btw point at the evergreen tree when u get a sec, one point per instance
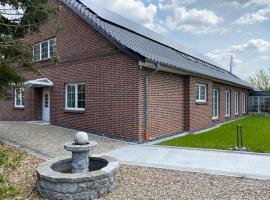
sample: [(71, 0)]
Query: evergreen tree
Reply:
[(17, 19)]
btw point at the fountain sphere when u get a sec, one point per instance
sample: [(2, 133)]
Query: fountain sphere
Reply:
[(81, 138)]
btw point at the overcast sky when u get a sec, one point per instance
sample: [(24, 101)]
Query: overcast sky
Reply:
[(216, 28)]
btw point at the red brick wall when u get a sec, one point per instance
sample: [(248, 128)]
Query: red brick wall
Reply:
[(111, 81), (8, 112), (200, 115), (166, 104), (222, 89), (114, 88)]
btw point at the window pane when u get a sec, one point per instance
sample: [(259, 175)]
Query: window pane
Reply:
[(71, 96), (215, 105), (22, 100), (36, 52), (19, 97), (18, 100), (236, 103), (44, 50), (46, 101), (52, 47), (198, 92), (81, 96), (202, 92)]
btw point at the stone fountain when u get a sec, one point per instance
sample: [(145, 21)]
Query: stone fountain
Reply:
[(79, 177)]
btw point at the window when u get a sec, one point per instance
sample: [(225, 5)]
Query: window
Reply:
[(19, 98), (244, 103), (236, 103), (46, 101), (200, 93), (75, 97), (44, 50), (228, 103), (215, 104)]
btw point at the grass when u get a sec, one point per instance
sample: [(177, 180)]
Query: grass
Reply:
[(256, 136)]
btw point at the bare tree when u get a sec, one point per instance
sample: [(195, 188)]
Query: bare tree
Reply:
[(261, 80)]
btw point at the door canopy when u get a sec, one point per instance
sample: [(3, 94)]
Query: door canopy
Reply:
[(43, 82)]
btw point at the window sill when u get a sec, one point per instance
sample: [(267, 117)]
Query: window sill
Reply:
[(227, 116), (74, 111), (201, 102), (43, 61), (18, 108), (215, 118)]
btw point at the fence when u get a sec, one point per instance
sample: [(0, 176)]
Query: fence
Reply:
[(259, 104)]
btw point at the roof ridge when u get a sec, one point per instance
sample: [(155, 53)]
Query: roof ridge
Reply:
[(131, 42), (169, 43)]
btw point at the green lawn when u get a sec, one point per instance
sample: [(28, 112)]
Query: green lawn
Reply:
[(256, 136)]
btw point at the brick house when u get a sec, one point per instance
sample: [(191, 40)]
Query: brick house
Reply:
[(119, 79)]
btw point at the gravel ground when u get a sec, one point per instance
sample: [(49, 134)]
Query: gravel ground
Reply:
[(139, 183), (149, 183), (24, 174)]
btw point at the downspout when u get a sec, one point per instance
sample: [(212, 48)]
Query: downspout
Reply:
[(146, 83)]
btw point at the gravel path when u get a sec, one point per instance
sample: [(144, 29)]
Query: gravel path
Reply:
[(141, 183)]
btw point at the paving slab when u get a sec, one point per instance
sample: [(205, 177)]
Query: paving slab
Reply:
[(49, 139), (206, 161)]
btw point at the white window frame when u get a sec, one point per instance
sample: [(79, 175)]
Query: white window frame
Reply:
[(218, 104), (236, 103), (40, 49), (76, 97), (21, 97), (227, 103), (201, 100), (244, 103)]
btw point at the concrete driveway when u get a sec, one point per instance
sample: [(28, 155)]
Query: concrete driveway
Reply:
[(47, 139), (227, 163)]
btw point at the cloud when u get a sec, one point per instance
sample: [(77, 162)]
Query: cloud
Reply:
[(253, 44), (173, 25), (223, 55), (136, 10), (256, 3), (265, 57), (259, 16), (229, 3), (245, 3), (195, 21), (171, 4), (196, 16)]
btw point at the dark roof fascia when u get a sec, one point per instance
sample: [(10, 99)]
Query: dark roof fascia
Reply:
[(172, 69), (260, 94), (121, 47)]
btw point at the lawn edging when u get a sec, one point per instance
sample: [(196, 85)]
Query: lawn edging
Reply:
[(214, 150), (156, 142)]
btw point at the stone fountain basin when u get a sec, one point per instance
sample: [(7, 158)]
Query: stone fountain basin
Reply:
[(55, 182)]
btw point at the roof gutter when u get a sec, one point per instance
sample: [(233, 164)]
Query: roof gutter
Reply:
[(169, 69)]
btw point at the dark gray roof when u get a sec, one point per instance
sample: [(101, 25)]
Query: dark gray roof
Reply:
[(260, 94), (145, 44)]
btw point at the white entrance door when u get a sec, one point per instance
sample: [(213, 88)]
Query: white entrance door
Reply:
[(46, 105)]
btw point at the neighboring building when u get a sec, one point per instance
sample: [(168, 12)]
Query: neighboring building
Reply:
[(259, 102), (119, 79)]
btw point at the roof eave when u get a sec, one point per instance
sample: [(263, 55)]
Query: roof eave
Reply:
[(170, 69)]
